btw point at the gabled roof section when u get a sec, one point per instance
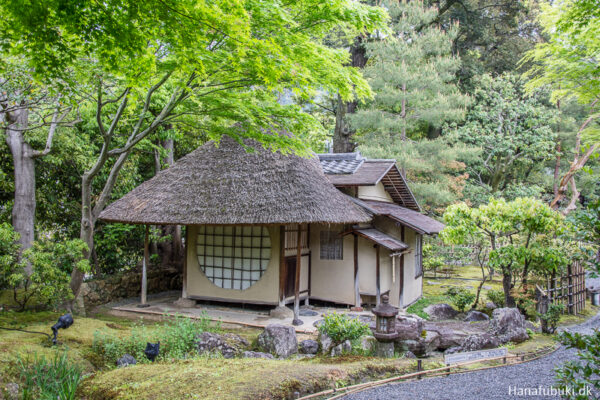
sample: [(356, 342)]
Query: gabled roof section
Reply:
[(341, 163), (380, 238), (370, 173), (413, 219)]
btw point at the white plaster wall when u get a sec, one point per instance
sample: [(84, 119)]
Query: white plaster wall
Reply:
[(413, 287), (266, 290), (332, 280), (376, 192)]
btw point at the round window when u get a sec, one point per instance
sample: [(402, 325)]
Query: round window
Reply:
[(233, 257)]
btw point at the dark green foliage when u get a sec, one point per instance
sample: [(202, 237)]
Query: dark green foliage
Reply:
[(581, 373), (496, 297), (460, 297), (177, 340), (552, 316), (340, 327), (52, 379)]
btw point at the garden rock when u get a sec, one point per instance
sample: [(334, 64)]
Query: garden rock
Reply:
[(257, 354), (453, 333), (126, 360), (309, 346), (281, 312), (490, 305), (340, 349), (368, 343), (474, 316), (508, 324), (325, 342), (318, 323), (305, 312), (478, 342), (279, 340), (208, 341), (439, 312), (423, 346), (532, 326), (409, 354), (409, 327), (185, 303)]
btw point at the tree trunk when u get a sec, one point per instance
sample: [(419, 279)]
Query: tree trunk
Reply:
[(509, 300), (86, 232), (23, 212), (343, 134)]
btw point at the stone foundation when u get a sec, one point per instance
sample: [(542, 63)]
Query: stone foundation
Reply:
[(127, 285)]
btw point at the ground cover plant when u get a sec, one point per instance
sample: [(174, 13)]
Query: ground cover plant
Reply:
[(340, 327), (49, 379)]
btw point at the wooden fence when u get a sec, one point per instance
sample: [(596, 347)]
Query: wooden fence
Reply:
[(568, 289)]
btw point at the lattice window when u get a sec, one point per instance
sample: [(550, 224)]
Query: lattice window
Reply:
[(419, 256), (233, 257), (291, 237), (332, 246)]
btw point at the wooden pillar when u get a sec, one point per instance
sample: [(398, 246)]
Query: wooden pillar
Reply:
[(356, 274), (297, 320), (145, 263), (282, 272), (185, 260), (401, 272), (378, 275)]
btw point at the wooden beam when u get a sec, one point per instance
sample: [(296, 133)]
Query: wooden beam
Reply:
[(145, 263), (297, 320), (185, 261), (282, 272), (378, 275), (401, 273), (356, 275)]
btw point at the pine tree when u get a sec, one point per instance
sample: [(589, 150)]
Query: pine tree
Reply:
[(412, 71)]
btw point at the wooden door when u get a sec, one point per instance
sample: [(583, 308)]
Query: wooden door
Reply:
[(290, 276)]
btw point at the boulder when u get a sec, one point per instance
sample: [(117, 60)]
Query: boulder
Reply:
[(126, 360), (325, 342), (439, 312), (257, 354), (279, 340), (474, 316), (409, 327), (368, 343), (490, 305), (423, 346), (281, 312), (340, 349), (478, 342), (508, 324), (409, 354), (213, 342), (453, 333), (309, 346)]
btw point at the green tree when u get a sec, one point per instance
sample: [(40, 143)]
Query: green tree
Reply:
[(412, 72), (580, 375), (522, 236), (567, 62), (513, 130)]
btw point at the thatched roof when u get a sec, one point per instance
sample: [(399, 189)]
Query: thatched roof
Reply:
[(227, 185)]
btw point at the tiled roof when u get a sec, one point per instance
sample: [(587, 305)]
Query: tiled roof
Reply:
[(340, 163)]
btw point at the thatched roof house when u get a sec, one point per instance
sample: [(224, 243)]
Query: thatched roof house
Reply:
[(226, 185), (268, 228)]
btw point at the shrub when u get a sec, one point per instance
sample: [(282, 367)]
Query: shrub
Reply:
[(582, 373), (340, 327), (51, 265), (496, 297), (177, 340), (551, 317), (460, 297), (49, 379)]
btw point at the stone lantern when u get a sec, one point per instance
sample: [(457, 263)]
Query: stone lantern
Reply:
[(385, 327)]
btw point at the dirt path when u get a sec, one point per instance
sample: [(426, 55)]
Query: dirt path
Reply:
[(495, 383)]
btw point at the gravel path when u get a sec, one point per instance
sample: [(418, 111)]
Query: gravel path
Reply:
[(483, 385)]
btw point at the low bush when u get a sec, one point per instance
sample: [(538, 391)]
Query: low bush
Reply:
[(460, 297), (581, 374), (551, 317), (340, 327), (52, 379), (496, 297), (177, 340)]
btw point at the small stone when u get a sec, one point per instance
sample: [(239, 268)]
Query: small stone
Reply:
[(257, 354), (474, 316), (126, 360), (486, 287), (281, 312), (279, 340), (409, 354), (325, 342), (318, 323), (347, 347), (185, 303), (309, 346), (490, 305)]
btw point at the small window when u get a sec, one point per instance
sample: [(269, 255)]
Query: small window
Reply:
[(291, 237), (419, 256), (332, 246)]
